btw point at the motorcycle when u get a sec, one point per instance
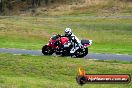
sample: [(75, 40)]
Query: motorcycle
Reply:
[(60, 45)]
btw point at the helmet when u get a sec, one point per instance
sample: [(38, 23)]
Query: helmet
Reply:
[(68, 31)]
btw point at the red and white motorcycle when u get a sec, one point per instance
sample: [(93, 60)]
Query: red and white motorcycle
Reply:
[(60, 45)]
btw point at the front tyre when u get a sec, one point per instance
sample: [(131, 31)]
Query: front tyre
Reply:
[(47, 50), (81, 52)]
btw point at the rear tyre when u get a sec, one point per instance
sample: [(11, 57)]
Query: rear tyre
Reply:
[(46, 50), (81, 52)]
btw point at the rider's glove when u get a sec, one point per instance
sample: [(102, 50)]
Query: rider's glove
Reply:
[(59, 35)]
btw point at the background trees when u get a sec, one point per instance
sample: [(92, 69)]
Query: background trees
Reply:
[(7, 6)]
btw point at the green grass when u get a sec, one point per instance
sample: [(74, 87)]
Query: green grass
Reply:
[(25, 71), (109, 35)]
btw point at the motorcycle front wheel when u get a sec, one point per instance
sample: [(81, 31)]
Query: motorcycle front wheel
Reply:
[(47, 50)]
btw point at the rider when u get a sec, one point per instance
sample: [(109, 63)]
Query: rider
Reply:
[(72, 38)]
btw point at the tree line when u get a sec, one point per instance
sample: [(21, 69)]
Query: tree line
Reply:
[(9, 4)]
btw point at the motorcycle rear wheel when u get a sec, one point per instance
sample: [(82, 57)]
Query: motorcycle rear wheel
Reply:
[(81, 52)]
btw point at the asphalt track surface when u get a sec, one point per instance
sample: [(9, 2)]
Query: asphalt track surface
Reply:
[(89, 56)]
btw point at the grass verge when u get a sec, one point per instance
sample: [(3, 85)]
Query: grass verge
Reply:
[(25, 71)]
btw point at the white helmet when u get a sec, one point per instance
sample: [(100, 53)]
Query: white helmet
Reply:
[(68, 31)]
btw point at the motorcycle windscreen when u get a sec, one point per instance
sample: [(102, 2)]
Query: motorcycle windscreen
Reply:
[(55, 37)]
